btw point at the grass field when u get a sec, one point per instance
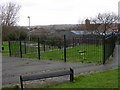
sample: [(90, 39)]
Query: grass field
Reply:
[(5, 52), (93, 54), (104, 79), (10, 88), (28, 47)]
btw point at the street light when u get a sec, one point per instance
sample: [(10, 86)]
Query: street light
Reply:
[(29, 25), (29, 22)]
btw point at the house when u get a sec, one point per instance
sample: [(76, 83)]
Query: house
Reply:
[(61, 33), (38, 31), (90, 26)]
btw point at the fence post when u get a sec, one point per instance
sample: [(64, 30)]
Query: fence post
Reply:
[(20, 49), (64, 48), (112, 44), (104, 49), (9, 48), (79, 40), (38, 49), (71, 75), (73, 41), (44, 45), (21, 82), (25, 46)]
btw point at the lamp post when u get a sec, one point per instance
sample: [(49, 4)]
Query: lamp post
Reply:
[(29, 25), (119, 16)]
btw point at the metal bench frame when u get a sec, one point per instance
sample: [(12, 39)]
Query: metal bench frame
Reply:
[(47, 75)]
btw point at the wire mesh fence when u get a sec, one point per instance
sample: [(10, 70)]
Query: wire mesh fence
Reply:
[(14, 48), (79, 48), (108, 46), (52, 49), (85, 48)]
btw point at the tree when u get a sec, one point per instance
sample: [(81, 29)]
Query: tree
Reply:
[(9, 13), (17, 33), (105, 21), (9, 17)]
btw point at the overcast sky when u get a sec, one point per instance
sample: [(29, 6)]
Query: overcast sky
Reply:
[(46, 12)]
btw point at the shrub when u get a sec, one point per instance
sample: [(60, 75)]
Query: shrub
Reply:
[(14, 33)]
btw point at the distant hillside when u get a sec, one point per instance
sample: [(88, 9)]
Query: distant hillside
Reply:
[(56, 26)]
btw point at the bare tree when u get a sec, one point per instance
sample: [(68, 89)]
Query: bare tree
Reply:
[(9, 13), (105, 21)]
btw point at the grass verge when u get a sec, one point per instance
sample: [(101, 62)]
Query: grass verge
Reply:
[(105, 79), (10, 88)]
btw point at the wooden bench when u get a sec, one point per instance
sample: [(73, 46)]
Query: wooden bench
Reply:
[(46, 75)]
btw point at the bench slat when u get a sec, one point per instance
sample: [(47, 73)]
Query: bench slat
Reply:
[(45, 75)]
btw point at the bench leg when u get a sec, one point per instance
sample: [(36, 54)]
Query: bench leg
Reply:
[(71, 75), (21, 83)]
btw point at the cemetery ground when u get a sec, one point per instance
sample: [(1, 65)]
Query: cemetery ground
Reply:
[(14, 67)]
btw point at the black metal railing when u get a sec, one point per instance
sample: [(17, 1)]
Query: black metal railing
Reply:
[(108, 46), (79, 48)]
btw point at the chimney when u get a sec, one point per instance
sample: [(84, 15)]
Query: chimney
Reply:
[(87, 22)]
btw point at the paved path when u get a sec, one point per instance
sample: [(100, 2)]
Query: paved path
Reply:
[(13, 67)]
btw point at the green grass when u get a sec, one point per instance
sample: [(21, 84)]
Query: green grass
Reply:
[(93, 54), (105, 79), (10, 88), (15, 47), (5, 52)]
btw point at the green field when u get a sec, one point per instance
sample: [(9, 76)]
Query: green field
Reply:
[(5, 52), (15, 48), (10, 88), (93, 54), (105, 79)]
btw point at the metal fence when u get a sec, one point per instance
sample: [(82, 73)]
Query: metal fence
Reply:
[(85, 48), (108, 46), (79, 48)]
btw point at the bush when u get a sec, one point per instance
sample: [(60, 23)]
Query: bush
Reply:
[(55, 41), (48, 40), (17, 35), (14, 33)]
